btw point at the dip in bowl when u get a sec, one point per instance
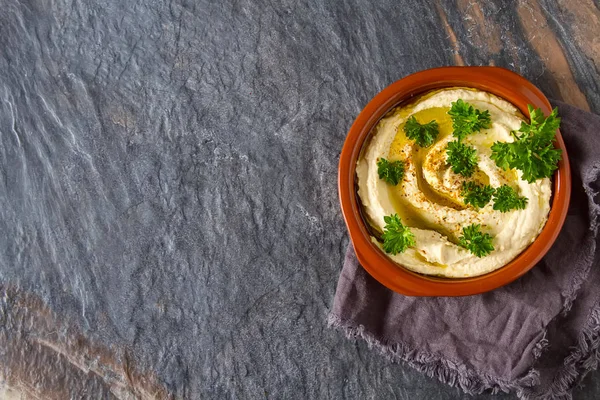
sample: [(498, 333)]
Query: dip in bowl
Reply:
[(435, 203)]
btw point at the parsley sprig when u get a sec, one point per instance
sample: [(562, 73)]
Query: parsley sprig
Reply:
[(396, 237), (466, 119), (462, 158), (390, 171), (506, 199), (475, 241), (532, 152), (423, 134), (477, 195)]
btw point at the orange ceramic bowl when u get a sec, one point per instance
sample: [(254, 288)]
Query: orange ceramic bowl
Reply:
[(501, 82)]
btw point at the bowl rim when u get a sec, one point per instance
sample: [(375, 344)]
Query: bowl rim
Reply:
[(499, 81)]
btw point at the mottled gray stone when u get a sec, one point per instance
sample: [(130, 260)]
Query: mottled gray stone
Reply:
[(168, 180)]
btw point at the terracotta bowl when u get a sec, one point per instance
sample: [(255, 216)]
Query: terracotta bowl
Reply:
[(501, 82)]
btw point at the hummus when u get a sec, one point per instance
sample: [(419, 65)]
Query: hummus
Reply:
[(428, 198)]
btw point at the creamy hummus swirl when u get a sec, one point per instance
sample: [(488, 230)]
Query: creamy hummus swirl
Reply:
[(428, 198)]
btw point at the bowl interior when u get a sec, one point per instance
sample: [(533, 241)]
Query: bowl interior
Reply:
[(501, 82)]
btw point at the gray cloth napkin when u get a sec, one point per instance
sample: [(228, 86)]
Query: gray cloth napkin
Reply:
[(537, 336)]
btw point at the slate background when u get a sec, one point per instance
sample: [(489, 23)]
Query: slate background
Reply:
[(169, 222)]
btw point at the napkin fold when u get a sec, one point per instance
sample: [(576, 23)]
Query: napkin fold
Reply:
[(537, 336)]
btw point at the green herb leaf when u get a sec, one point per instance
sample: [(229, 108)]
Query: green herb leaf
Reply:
[(423, 134), (462, 158), (506, 199), (475, 241), (532, 152), (477, 195), (391, 172), (396, 237), (466, 119), (503, 154)]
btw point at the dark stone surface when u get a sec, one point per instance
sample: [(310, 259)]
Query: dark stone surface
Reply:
[(168, 177)]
